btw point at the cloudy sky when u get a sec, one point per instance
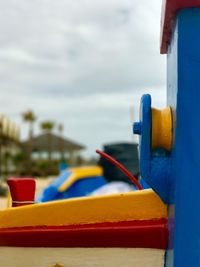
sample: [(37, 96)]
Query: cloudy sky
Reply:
[(84, 63)]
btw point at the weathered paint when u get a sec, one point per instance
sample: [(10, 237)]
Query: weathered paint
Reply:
[(138, 234), (169, 12), (138, 205)]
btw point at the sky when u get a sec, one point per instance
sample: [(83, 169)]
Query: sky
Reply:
[(83, 63)]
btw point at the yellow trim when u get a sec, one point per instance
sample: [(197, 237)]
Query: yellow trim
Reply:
[(138, 205), (9, 200), (162, 128), (80, 173)]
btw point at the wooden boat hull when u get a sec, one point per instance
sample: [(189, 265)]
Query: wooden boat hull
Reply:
[(132, 234), (118, 230), (79, 257)]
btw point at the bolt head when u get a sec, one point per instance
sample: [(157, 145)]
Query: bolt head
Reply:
[(137, 127)]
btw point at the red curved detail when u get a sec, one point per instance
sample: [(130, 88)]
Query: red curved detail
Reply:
[(169, 11), (135, 234), (121, 167)]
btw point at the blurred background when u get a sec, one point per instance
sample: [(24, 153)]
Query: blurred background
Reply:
[(71, 77)]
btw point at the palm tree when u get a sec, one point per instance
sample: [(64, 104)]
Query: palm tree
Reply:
[(18, 160), (29, 117), (47, 127), (6, 158)]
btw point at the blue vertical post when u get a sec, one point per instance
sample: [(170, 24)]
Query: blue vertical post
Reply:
[(183, 95)]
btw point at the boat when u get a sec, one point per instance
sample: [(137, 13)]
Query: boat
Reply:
[(73, 182), (147, 227), (95, 180), (127, 229)]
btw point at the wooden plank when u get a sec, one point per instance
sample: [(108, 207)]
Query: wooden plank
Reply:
[(138, 205), (96, 257), (139, 234), (169, 11)]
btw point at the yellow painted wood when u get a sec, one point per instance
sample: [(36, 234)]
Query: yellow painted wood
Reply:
[(9, 200), (81, 257), (162, 128), (138, 205), (80, 173)]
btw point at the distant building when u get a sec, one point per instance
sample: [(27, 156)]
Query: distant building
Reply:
[(9, 143), (53, 147)]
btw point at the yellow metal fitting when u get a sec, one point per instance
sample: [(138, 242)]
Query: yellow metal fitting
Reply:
[(161, 128)]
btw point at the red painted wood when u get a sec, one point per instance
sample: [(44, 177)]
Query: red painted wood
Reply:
[(169, 11), (22, 190), (135, 234)]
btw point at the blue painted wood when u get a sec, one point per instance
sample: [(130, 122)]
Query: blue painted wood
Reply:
[(155, 166), (145, 135), (184, 96), (172, 80)]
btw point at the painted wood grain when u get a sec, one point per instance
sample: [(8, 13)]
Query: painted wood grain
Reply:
[(138, 205), (96, 257)]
